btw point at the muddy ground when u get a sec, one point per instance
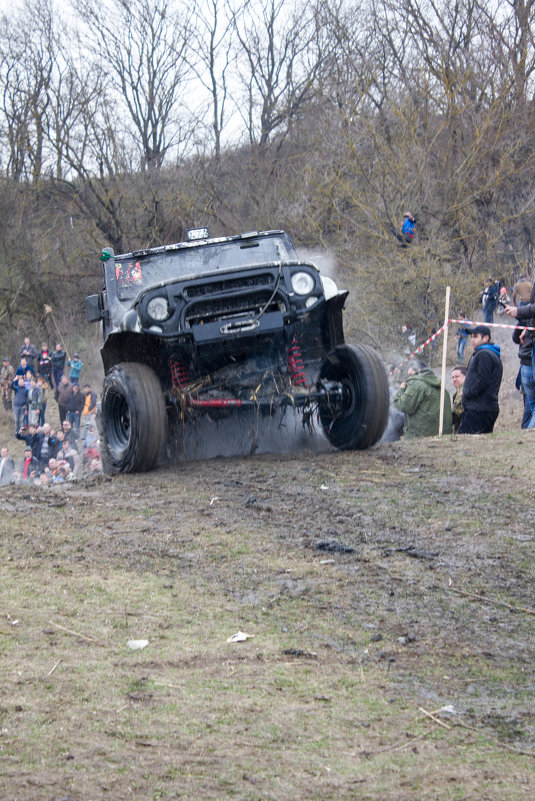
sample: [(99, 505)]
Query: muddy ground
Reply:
[(389, 598)]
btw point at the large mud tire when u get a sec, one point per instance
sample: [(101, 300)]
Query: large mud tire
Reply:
[(133, 419), (364, 416)]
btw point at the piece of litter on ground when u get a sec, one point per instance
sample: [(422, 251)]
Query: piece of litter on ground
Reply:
[(214, 500), (328, 562), (324, 487), (137, 645), (240, 636)]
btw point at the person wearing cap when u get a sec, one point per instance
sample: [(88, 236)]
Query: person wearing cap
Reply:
[(75, 365), (28, 468), (481, 384), (7, 374)]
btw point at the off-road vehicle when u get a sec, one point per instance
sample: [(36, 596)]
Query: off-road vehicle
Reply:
[(231, 323)]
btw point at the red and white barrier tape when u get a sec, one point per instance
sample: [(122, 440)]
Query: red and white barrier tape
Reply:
[(420, 348), (492, 325)]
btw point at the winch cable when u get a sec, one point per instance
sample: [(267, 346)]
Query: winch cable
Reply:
[(266, 305)]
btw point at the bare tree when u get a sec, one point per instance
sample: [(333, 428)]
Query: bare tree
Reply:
[(212, 38), (144, 42), (28, 63), (278, 61)]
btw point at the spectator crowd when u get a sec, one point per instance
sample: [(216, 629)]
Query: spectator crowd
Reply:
[(51, 455), (475, 407)]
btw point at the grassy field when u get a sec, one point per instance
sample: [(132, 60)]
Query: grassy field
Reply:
[(389, 599)]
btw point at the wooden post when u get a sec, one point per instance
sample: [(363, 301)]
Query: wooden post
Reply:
[(443, 373)]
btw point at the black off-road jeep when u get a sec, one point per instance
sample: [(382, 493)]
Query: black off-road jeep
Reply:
[(233, 323)]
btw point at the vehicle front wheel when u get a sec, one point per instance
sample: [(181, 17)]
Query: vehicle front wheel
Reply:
[(358, 421), (132, 419)]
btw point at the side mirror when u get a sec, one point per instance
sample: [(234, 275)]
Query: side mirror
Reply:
[(93, 309)]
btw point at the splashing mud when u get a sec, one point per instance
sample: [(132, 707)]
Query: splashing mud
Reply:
[(245, 433)]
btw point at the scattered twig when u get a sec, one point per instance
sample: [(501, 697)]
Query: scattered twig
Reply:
[(432, 716), (397, 746), (53, 669), (492, 601), (76, 633)]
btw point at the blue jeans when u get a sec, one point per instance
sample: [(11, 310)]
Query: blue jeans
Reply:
[(461, 345), (74, 420), (528, 382), (488, 314), (20, 417)]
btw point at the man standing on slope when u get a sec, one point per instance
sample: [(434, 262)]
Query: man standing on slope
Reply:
[(482, 384)]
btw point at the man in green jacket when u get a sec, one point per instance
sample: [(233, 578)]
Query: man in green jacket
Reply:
[(419, 399)]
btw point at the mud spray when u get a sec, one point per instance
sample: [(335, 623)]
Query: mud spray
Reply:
[(245, 433)]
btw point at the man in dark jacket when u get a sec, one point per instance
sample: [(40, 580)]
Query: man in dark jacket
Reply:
[(28, 352), (30, 436), (482, 384), (63, 393), (489, 299), (74, 405), (57, 358)]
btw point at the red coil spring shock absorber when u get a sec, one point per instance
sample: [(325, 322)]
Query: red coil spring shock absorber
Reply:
[(296, 366), (179, 374)]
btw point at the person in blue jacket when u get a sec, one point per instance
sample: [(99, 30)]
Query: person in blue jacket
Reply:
[(75, 365), (407, 230)]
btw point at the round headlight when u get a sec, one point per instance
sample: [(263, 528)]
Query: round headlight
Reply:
[(158, 308), (302, 283)]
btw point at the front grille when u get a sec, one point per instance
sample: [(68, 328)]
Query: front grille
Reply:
[(232, 306), (228, 285)]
